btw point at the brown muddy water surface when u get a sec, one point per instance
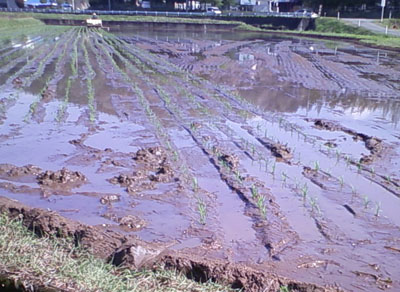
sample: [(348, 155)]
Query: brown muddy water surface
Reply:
[(281, 154)]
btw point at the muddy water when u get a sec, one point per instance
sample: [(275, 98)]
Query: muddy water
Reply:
[(279, 153)]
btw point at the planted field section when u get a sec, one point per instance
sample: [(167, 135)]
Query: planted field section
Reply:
[(279, 156)]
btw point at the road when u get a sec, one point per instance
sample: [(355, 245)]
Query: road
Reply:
[(371, 25)]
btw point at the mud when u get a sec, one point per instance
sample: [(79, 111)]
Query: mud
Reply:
[(253, 160), (130, 252), (63, 178)]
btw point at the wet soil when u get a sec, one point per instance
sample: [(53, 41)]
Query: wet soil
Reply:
[(253, 160)]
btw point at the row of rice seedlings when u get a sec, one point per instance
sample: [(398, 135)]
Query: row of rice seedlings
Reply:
[(202, 210), (90, 74), (161, 133), (28, 64), (74, 74), (27, 50), (287, 182), (44, 61), (155, 70), (260, 201), (150, 60), (155, 67), (6, 102), (33, 106)]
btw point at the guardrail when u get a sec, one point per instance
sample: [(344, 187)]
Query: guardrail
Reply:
[(159, 13)]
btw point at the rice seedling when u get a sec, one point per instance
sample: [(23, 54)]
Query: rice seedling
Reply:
[(314, 204), (341, 181), (238, 176), (202, 209), (176, 155), (366, 202), (254, 192), (284, 177), (304, 191), (195, 184), (316, 166), (261, 206), (353, 190), (266, 164), (359, 166), (273, 169), (284, 289), (378, 209)]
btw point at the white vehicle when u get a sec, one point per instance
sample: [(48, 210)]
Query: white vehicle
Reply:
[(213, 11), (307, 12)]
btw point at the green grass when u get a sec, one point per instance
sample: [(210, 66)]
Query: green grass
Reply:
[(8, 21), (391, 23), (332, 28), (138, 18), (332, 25), (57, 264)]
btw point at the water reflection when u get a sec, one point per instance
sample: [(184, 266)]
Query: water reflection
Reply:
[(299, 99)]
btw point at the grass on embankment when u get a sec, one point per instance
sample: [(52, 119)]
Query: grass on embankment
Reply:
[(134, 18), (331, 27), (8, 22), (391, 23), (57, 264)]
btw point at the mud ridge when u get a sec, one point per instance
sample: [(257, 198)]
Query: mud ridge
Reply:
[(375, 145)]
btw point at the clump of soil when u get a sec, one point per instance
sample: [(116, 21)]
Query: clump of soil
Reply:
[(281, 151), (17, 82), (128, 222), (326, 125), (16, 171), (154, 168), (164, 174), (132, 222), (48, 93), (108, 199), (231, 160), (152, 156), (63, 178), (126, 180)]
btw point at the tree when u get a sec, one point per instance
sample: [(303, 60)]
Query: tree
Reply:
[(226, 4)]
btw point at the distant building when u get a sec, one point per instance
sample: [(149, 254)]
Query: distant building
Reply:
[(270, 5)]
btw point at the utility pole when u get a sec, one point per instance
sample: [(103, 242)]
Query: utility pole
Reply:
[(383, 4), (109, 4)]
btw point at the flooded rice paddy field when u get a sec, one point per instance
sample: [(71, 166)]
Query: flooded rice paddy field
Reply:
[(280, 154)]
